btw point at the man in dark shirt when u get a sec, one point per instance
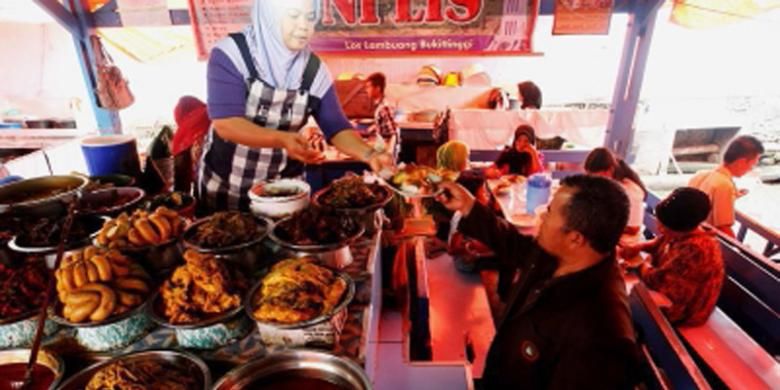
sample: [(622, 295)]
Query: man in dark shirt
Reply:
[(567, 323)]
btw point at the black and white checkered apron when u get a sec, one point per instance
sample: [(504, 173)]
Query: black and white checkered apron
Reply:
[(228, 169)]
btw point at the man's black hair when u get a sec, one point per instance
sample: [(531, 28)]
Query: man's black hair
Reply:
[(598, 210), (378, 80), (744, 146)]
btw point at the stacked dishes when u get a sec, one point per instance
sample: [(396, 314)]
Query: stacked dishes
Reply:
[(152, 370), (201, 301), (102, 294), (300, 303), (234, 238), (296, 369), (317, 232), (22, 289), (149, 237)]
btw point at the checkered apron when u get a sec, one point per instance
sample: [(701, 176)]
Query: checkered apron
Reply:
[(229, 170)]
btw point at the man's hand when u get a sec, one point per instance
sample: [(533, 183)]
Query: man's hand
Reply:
[(456, 198), (298, 148)]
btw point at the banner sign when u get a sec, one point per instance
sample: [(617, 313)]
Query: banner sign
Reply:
[(582, 17), (391, 27)]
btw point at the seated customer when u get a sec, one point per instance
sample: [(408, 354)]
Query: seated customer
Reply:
[(602, 162), (567, 323), (530, 95), (685, 262), (453, 155), (519, 159)]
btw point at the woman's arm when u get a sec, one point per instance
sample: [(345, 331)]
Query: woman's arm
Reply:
[(242, 131)]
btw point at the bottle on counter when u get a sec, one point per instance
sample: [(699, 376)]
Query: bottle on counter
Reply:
[(537, 192)]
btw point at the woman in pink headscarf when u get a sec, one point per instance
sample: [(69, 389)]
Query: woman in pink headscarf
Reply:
[(263, 84)]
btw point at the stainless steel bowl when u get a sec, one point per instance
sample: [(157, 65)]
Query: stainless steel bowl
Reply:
[(323, 330), (93, 223), (108, 196), (312, 248), (246, 255), (67, 187), (45, 358), (211, 333), (260, 374), (191, 363)]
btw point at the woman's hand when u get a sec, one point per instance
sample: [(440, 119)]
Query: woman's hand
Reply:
[(456, 198), (381, 162), (299, 148)]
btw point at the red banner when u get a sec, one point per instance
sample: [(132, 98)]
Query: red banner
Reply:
[(582, 17), (391, 27)]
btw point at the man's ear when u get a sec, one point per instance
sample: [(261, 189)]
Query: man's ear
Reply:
[(576, 239)]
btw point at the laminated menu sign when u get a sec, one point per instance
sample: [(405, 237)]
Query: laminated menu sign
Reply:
[(391, 27), (582, 17)]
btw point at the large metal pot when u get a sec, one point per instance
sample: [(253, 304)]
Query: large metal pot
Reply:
[(22, 196), (45, 358), (335, 255), (303, 367), (189, 363)]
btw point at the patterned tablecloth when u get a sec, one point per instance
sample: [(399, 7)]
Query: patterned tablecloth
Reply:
[(351, 343)]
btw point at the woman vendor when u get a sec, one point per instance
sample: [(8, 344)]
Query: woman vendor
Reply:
[(263, 83)]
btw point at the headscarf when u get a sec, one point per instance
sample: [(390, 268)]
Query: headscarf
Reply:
[(684, 209), (192, 121), (453, 155), (277, 65)]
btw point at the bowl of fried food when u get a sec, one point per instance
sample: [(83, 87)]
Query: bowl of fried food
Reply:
[(102, 294), (420, 181), (352, 195), (320, 233), (149, 370), (148, 237), (233, 237), (300, 302), (279, 198), (180, 202), (201, 301), (22, 289)]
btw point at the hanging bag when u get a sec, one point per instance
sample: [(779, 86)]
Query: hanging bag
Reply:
[(112, 89)]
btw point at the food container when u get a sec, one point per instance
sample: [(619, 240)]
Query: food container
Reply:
[(336, 255), (158, 260), (189, 363), (19, 331), (366, 215), (114, 332), (93, 223), (322, 331), (302, 369), (209, 334), (110, 201), (24, 195), (247, 256), (18, 358), (181, 202), (268, 199)]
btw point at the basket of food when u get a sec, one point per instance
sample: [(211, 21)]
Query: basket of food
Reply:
[(150, 238), (47, 371), (151, 370), (22, 290), (352, 195), (279, 198), (102, 294), (40, 236), (233, 237), (319, 233), (110, 201), (181, 202), (296, 369), (300, 303), (419, 181), (201, 301), (36, 193)]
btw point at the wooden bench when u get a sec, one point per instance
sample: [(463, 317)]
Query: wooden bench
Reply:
[(664, 351), (731, 354)]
